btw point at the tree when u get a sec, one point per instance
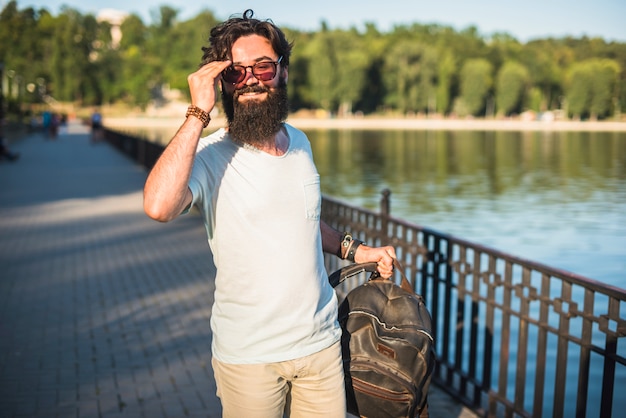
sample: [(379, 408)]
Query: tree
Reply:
[(186, 39), (476, 83), (322, 61), (412, 68), (445, 75), (511, 85), (579, 90), (606, 77), (351, 73), (373, 91), (133, 77), (546, 62), (21, 51), (592, 87), (410, 76), (161, 43), (75, 45)]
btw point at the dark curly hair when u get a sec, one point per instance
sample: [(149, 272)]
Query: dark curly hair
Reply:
[(224, 35)]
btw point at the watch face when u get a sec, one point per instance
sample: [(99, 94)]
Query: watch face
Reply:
[(346, 240)]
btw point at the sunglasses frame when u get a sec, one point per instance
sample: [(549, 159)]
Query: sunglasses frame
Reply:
[(245, 71)]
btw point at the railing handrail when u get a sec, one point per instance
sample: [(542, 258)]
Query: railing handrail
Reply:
[(467, 383), (561, 273)]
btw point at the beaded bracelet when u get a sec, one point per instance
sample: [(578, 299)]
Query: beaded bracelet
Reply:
[(200, 114)]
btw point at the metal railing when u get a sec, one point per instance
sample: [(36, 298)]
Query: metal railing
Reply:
[(514, 338), (141, 150)]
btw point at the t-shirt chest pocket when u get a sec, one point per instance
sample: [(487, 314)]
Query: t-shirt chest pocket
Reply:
[(313, 197)]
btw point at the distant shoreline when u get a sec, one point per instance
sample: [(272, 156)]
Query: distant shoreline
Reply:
[(372, 123)]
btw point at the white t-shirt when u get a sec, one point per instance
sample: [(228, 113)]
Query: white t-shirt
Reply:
[(273, 301)]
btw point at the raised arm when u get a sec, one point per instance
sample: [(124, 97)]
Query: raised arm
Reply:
[(166, 192), (383, 256)]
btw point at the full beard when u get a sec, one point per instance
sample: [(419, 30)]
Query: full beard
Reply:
[(255, 122)]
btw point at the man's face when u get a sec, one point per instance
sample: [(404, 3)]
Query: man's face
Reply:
[(255, 109)]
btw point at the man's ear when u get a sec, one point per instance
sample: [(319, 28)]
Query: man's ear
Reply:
[(286, 74)]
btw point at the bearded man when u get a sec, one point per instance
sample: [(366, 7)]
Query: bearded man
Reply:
[(276, 339)]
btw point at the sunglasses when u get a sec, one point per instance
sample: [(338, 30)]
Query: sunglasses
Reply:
[(262, 71)]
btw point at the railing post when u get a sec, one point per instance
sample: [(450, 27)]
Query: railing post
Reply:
[(385, 202), (385, 211)]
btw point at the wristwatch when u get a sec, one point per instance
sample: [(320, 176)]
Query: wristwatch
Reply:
[(348, 247), (346, 240)]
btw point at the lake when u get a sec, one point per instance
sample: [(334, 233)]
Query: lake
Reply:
[(554, 197)]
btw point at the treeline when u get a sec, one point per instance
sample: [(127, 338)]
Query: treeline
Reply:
[(412, 69)]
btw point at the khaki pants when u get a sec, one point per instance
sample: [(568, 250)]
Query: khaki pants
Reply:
[(310, 386)]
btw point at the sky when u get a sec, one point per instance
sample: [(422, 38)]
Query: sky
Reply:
[(525, 20)]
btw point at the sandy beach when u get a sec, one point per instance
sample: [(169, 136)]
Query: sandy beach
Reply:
[(390, 123)]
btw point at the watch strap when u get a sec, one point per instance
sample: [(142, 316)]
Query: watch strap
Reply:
[(352, 249)]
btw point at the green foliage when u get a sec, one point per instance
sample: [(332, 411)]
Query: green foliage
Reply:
[(410, 76), (476, 83), (351, 70), (546, 62), (579, 92), (446, 72), (605, 79), (535, 100), (411, 69), (511, 87), (321, 64), (592, 87)]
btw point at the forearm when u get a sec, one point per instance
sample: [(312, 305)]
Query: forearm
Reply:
[(383, 256), (166, 192), (338, 243), (331, 239)]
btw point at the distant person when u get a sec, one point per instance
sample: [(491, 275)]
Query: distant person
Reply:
[(276, 339), (63, 123), (34, 123), (96, 126), (5, 152), (55, 123), (46, 122)]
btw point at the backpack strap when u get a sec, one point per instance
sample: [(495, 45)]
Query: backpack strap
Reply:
[(404, 284), (344, 273)]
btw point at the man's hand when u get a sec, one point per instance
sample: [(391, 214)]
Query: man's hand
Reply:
[(383, 256), (202, 84)]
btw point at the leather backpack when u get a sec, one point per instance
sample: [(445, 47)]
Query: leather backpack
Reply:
[(387, 346)]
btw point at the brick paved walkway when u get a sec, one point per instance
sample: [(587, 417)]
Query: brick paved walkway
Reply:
[(103, 312)]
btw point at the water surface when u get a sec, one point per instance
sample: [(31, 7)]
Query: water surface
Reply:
[(554, 197)]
